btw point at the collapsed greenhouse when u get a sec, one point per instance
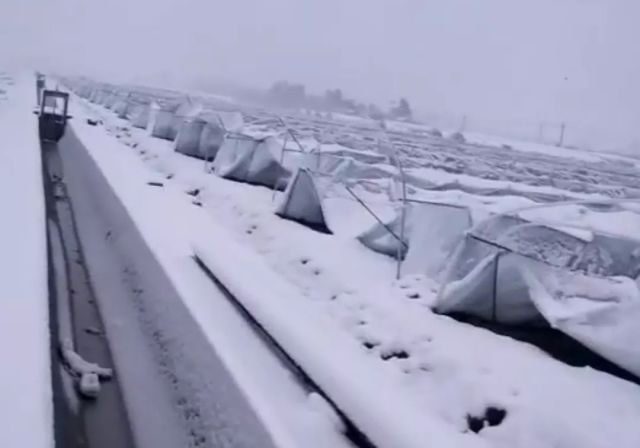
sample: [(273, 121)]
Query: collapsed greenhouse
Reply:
[(521, 271), (252, 160), (516, 270), (302, 203)]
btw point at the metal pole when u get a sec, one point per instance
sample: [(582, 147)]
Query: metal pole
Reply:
[(562, 131), (403, 210), (290, 132), (494, 311), (275, 184), (374, 215)]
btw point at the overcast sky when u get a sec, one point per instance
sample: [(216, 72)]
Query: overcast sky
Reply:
[(510, 61)]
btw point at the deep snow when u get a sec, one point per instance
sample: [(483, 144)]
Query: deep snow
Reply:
[(26, 410), (451, 369), (167, 218)]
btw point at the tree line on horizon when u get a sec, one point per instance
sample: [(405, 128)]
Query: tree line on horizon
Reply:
[(294, 95)]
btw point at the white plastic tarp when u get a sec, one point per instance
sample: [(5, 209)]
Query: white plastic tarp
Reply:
[(302, 203), (233, 158), (120, 108), (231, 121), (161, 124), (247, 159), (188, 139), (140, 116), (600, 312), (266, 165), (211, 140), (384, 238), (434, 230), (187, 110), (431, 233)]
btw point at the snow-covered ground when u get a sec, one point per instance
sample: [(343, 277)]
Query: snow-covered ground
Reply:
[(449, 371), (487, 158), (26, 409)]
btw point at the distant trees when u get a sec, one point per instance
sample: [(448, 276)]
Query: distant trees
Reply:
[(288, 94), (375, 112), (402, 111), (334, 99)]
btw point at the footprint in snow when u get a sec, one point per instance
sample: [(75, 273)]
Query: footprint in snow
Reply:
[(492, 416), (369, 345), (391, 354)]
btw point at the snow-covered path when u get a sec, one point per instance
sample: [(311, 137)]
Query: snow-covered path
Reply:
[(180, 347), (26, 410), (453, 370)]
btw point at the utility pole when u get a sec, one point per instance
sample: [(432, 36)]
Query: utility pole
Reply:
[(563, 127)]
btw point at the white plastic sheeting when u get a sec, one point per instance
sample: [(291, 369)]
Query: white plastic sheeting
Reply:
[(140, 116), (94, 95), (302, 203), (514, 272), (431, 233), (231, 121), (434, 230), (232, 160), (187, 110), (218, 123), (600, 312), (112, 100), (266, 165), (470, 285), (103, 97), (576, 249), (343, 167), (256, 161), (121, 107), (188, 139), (211, 140), (161, 124), (510, 240), (384, 238)]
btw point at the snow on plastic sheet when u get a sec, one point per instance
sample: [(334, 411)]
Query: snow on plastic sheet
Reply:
[(140, 116), (435, 231), (188, 139), (302, 203), (577, 246), (600, 312), (620, 218), (470, 283), (265, 167), (211, 139), (162, 125), (234, 157), (386, 237), (232, 121)]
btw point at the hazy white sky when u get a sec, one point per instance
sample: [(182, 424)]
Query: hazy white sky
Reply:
[(495, 60)]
